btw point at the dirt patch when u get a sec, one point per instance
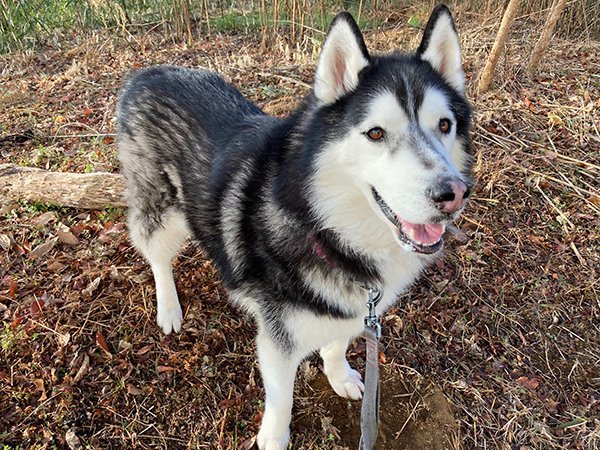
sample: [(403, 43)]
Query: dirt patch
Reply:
[(414, 413)]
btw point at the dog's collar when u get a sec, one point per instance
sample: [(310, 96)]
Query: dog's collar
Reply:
[(320, 250)]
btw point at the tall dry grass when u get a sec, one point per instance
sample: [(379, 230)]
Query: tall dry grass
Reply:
[(33, 23)]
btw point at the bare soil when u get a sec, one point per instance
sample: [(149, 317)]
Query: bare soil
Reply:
[(414, 413), (496, 347)]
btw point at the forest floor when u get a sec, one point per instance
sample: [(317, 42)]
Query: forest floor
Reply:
[(496, 347)]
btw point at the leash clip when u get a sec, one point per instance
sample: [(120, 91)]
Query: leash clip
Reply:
[(371, 320)]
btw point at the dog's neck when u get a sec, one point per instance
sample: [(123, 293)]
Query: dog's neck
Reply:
[(326, 247)]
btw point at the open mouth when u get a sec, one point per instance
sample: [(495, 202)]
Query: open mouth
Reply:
[(421, 238)]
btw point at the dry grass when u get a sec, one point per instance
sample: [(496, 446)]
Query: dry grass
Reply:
[(507, 325)]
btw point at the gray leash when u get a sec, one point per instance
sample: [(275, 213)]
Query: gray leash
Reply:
[(369, 412)]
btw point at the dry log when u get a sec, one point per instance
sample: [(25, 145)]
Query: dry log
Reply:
[(542, 44), (490, 66), (77, 190)]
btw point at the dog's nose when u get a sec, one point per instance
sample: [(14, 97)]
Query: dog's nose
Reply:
[(449, 194)]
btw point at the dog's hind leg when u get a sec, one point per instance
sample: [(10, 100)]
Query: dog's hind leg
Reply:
[(345, 381), (159, 241), (278, 369)]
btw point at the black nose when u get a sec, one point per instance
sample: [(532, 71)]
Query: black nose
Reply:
[(449, 194)]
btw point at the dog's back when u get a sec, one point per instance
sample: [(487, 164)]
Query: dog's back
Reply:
[(182, 134)]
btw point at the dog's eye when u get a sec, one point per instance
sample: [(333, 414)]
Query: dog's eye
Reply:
[(376, 134), (445, 125)]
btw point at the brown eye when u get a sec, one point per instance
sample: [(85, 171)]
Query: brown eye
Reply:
[(376, 134), (445, 126)]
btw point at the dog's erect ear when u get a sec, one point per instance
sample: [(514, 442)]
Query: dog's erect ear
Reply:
[(441, 48), (343, 56)]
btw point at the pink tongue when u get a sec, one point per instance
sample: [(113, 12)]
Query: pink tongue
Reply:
[(423, 234)]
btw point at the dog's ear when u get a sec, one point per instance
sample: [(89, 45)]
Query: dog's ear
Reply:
[(441, 48), (343, 56)]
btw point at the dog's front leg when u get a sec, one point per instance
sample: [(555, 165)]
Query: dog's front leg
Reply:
[(345, 381), (278, 370)]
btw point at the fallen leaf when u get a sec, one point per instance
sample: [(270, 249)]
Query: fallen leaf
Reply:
[(554, 120), (162, 369), (124, 345), (63, 339), (65, 235), (44, 248), (458, 234), (15, 323), (5, 242), (39, 386), (72, 440), (247, 445), (36, 306), (85, 367), (89, 290), (552, 405), (45, 218), (108, 140), (528, 104), (145, 349), (529, 382), (132, 390), (14, 289), (102, 343), (226, 403)]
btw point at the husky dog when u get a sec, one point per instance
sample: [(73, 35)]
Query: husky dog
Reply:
[(353, 189)]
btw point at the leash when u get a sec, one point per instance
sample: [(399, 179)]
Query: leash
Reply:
[(369, 411)]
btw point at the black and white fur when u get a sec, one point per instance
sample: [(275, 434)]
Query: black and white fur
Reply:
[(300, 213)]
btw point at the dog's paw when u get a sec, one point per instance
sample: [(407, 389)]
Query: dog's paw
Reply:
[(270, 441), (169, 319), (349, 387)]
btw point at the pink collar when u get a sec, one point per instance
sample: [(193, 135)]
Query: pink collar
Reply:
[(320, 251)]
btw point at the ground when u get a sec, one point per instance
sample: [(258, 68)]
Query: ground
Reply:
[(497, 346)]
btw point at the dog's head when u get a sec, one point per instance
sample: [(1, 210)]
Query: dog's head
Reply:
[(394, 135)]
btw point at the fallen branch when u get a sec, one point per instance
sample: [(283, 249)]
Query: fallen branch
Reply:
[(77, 190)]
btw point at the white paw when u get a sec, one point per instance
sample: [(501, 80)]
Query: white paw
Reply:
[(268, 440), (170, 318), (349, 387)]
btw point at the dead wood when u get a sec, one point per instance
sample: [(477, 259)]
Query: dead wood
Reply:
[(77, 190), (487, 74), (542, 44)]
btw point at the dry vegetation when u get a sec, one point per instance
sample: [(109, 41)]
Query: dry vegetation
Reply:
[(497, 347)]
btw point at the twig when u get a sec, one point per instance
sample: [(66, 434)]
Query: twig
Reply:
[(283, 77), (551, 203), (67, 136), (408, 419), (577, 254)]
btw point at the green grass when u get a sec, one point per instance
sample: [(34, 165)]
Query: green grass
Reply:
[(29, 24)]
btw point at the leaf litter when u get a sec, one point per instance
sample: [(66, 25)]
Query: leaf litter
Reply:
[(497, 346)]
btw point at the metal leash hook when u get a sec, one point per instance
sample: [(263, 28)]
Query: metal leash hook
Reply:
[(371, 320), (369, 412)]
